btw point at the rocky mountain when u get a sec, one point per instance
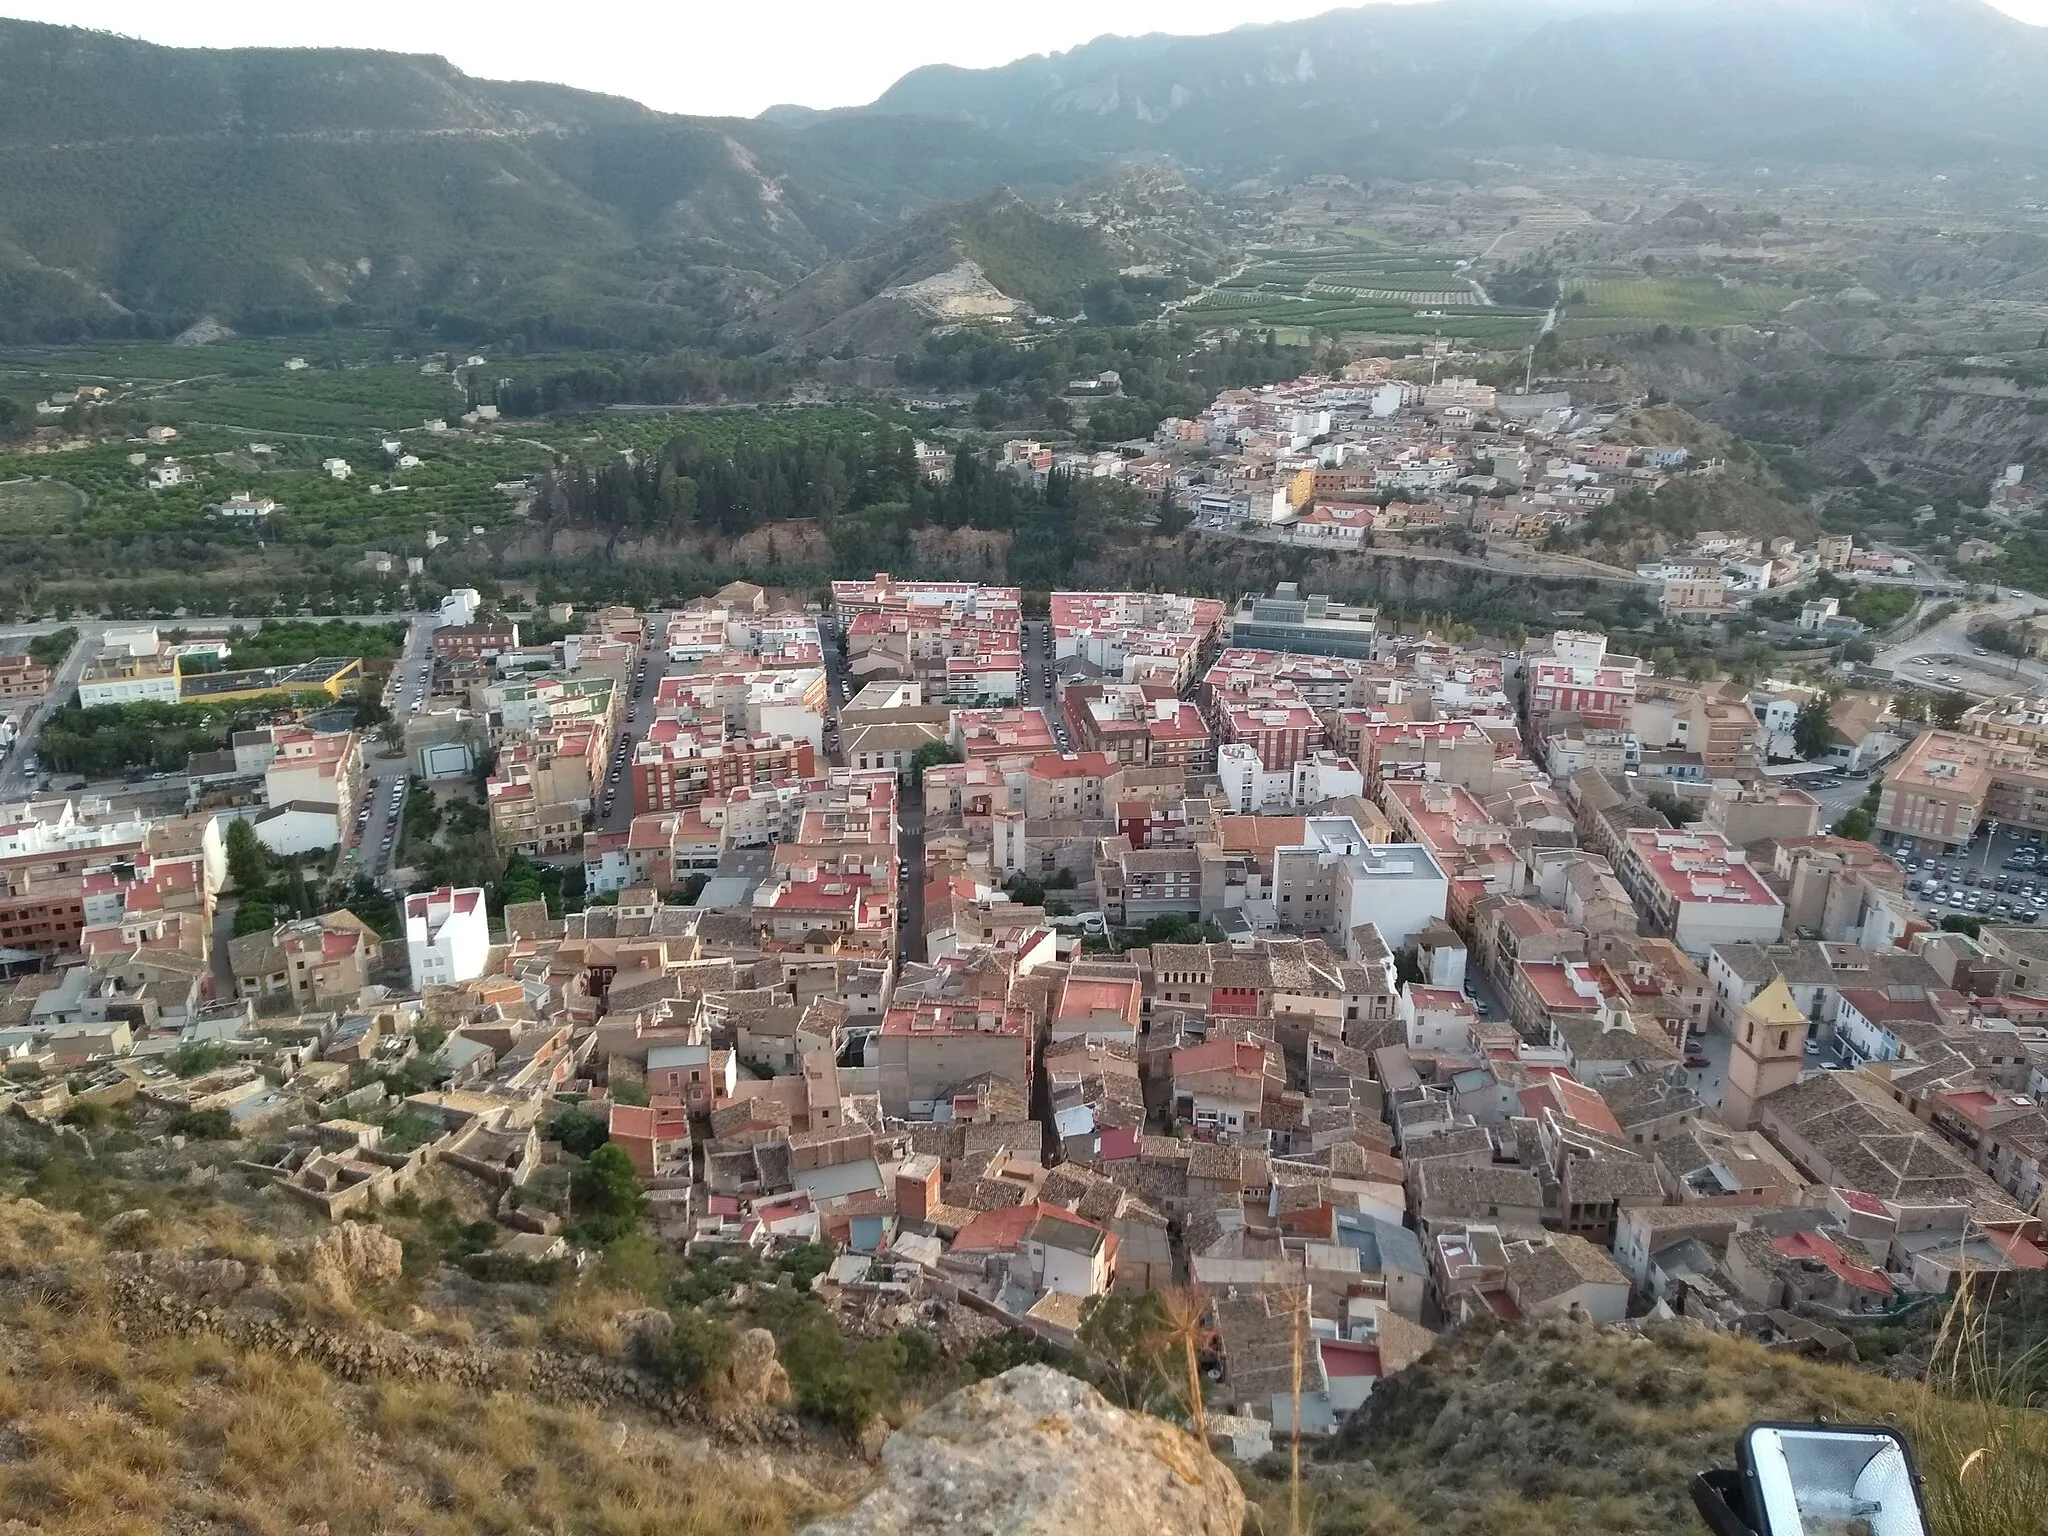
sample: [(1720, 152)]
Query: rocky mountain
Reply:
[(1390, 89)]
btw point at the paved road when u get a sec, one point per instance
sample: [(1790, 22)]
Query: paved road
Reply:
[(14, 777), (1038, 694), (92, 629), (1947, 652), (614, 809), (370, 846)]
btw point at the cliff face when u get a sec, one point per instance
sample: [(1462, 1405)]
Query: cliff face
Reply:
[(1034, 1452)]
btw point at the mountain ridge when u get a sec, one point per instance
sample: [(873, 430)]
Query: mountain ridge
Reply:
[(143, 187), (1381, 83)]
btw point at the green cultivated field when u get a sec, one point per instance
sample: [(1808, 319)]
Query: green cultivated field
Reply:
[(1369, 288), (1615, 306)]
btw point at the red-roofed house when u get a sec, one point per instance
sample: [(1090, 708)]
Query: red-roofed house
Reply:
[(656, 1136), (1220, 1085), (1698, 889), (1047, 1247), (1099, 1008)]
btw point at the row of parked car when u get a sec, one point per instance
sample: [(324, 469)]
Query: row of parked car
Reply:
[(2009, 896)]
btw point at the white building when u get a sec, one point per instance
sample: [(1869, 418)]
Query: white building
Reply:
[(337, 469), (296, 827), (1255, 790), (1436, 1018), (1335, 881), (447, 936), (458, 608), (242, 505)]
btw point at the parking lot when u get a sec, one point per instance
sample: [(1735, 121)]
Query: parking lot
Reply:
[(2002, 878)]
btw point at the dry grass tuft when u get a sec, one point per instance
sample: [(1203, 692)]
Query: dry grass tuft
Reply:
[(587, 1317), (1981, 1446)]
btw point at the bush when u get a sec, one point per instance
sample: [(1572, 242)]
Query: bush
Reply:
[(694, 1351), (203, 1125), (199, 1057)]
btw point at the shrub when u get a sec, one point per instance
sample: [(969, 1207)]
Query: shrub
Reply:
[(693, 1352), (203, 1125)]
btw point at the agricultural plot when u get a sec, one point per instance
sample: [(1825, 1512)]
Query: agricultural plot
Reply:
[(1368, 289), (55, 505), (32, 506), (1616, 306), (318, 402)]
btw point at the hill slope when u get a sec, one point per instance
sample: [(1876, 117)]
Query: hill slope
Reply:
[(991, 256), (141, 187)]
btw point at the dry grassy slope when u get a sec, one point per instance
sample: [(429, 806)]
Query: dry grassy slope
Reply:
[(106, 1430), (1564, 1429)]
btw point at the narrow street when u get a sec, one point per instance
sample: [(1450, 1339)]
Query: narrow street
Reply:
[(614, 809)]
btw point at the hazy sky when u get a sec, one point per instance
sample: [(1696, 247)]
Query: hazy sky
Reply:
[(708, 56)]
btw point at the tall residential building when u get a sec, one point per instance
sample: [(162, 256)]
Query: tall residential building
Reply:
[(1945, 784), (1578, 674)]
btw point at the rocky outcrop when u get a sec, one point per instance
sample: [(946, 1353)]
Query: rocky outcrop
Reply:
[(353, 1254), (753, 1375), (1034, 1452)]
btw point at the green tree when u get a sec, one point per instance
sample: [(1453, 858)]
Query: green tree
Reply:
[(1948, 708), (579, 1131), (930, 755), (1813, 733), (248, 860), (605, 1192), (1122, 1347), (1856, 824), (254, 914), (54, 649)]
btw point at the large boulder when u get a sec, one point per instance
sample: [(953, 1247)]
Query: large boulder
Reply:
[(1034, 1452)]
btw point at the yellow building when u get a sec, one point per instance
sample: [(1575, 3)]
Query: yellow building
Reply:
[(331, 675)]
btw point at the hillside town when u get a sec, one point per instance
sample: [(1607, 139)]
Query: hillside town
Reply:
[(1360, 980)]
